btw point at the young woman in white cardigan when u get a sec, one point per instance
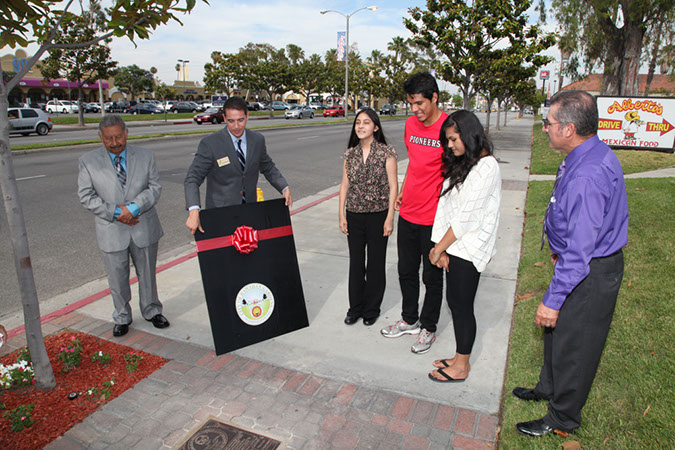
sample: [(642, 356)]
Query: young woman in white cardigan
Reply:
[(465, 229)]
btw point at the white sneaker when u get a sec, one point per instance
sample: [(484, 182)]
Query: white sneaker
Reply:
[(400, 328), (424, 342)]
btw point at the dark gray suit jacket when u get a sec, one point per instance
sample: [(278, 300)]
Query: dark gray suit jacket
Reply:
[(100, 192), (216, 160)]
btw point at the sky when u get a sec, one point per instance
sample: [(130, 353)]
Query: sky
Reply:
[(226, 26)]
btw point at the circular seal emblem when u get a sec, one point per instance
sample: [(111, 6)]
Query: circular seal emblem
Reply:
[(254, 303)]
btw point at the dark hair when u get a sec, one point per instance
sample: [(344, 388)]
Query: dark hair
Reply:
[(472, 134), (378, 135), (111, 120), (421, 83), (235, 103), (578, 108)]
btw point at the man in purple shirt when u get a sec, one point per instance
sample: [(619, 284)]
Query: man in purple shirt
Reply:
[(586, 224)]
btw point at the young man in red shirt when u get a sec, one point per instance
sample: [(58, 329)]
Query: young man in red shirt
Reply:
[(417, 203)]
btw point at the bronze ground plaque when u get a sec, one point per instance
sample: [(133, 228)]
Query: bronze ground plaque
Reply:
[(216, 435)]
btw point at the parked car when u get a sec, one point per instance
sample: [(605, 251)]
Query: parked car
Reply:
[(155, 103), (334, 111), (388, 109), (62, 106), (278, 106), (214, 114), (145, 108), (197, 107), (317, 105), (182, 107), (28, 120), (298, 112), (91, 107), (121, 106), (206, 104), (254, 106)]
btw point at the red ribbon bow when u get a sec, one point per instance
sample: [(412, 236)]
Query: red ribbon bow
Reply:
[(245, 239)]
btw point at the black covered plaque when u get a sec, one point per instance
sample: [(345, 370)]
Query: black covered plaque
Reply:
[(251, 297)]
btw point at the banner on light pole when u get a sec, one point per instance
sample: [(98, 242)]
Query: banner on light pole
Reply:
[(341, 45)]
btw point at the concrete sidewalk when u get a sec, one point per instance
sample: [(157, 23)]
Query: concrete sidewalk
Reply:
[(328, 384)]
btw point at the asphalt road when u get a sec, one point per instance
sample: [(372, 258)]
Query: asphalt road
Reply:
[(61, 232)]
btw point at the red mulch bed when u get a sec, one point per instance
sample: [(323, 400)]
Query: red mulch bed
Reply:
[(53, 413)]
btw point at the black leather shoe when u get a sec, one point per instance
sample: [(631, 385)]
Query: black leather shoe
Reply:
[(371, 321), (120, 330), (159, 321), (351, 320), (527, 394), (535, 428)]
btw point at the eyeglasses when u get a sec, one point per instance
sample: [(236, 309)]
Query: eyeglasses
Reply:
[(547, 123)]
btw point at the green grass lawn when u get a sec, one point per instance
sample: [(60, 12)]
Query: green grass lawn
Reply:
[(632, 402), (545, 161)]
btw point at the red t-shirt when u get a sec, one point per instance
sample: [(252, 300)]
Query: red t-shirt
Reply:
[(424, 179)]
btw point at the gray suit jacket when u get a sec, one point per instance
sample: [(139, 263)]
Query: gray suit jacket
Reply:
[(100, 192), (216, 160)]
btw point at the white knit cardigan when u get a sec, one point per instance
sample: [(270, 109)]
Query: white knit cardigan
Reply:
[(472, 210)]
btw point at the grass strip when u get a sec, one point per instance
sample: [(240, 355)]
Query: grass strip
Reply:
[(545, 161), (631, 403)]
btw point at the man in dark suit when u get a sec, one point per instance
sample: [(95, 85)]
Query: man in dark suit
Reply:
[(230, 160), (119, 183)]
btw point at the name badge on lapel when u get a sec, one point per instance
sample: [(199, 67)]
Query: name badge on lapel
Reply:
[(223, 161)]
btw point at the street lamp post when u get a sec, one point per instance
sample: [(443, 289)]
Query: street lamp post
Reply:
[(183, 62), (347, 16)]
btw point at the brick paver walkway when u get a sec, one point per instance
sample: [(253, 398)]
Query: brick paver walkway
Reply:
[(302, 410)]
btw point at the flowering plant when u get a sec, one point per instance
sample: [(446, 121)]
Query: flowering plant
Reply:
[(19, 374), (101, 357), (20, 417), (24, 355), (103, 392), (71, 355), (133, 360)]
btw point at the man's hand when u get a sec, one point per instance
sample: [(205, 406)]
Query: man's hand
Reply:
[(439, 259), (193, 222), (554, 258), (289, 198), (126, 217), (399, 200), (388, 226), (546, 317)]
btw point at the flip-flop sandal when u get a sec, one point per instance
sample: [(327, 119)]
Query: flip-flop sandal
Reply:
[(448, 378), (441, 361)]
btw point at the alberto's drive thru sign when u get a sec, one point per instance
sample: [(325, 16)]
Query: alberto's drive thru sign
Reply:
[(638, 122)]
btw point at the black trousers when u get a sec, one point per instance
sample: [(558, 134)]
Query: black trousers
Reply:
[(572, 349), (366, 280), (414, 243), (462, 284)]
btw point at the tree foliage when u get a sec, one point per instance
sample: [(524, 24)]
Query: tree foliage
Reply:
[(611, 33), (472, 37), (82, 65), (220, 75), (134, 80)]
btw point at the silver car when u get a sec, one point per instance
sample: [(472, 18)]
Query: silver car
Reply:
[(28, 120), (299, 111)]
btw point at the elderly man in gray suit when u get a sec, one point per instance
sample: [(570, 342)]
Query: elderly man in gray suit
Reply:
[(119, 183), (230, 160)]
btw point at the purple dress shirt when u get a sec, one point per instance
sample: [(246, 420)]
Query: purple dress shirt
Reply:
[(587, 216)]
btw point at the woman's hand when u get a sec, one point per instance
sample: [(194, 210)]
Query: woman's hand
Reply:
[(343, 224), (388, 226)]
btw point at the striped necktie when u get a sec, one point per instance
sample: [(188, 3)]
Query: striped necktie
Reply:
[(240, 154), (121, 174)]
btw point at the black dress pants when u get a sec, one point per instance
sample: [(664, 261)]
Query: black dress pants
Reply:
[(414, 243), (572, 349), (367, 280)]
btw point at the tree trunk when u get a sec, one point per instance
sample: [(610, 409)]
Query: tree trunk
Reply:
[(489, 110), (80, 112), (634, 36), (466, 103), (620, 76), (506, 111), (656, 44), (499, 112), (44, 375)]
